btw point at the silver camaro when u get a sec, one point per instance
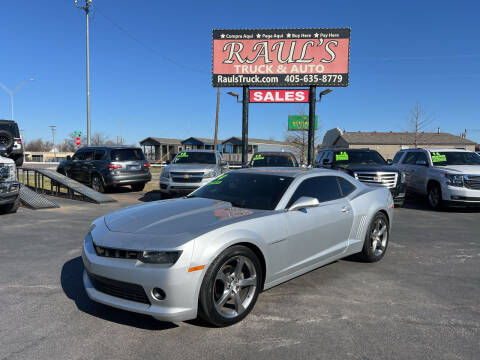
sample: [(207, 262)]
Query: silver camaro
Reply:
[(212, 252)]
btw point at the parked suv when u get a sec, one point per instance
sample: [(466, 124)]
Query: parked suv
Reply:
[(10, 139), (9, 185), (445, 176), (273, 159), (366, 165), (191, 169), (103, 167)]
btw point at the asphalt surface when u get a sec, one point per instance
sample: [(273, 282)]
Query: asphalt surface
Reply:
[(420, 302)]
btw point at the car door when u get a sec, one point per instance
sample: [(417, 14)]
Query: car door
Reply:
[(419, 172), (86, 166), (75, 165), (407, 165), (318, 233)]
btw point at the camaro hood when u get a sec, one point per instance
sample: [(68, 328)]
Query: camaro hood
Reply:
[(190, 167), (169, 223), (464, 169)]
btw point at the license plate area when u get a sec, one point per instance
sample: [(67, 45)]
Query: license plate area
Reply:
[(133, 168)]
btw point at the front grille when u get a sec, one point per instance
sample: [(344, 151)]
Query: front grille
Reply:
[(472, 182), (386, 179), (187, 180), (181, 174), (116, 253), (120, 289)]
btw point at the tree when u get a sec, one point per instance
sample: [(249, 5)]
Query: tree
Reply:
[(38, 145), (418, 122)]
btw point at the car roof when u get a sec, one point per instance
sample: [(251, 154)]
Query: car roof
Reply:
[(273, 153), (200, 150), (287, 172), (446, 150), (347, 149)]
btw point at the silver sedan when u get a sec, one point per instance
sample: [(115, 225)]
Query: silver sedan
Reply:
[(212, 252)]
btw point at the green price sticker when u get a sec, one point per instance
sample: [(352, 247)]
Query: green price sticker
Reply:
[(182, 155), (343, 156), (218, 180), (258, 157), (437, 157)]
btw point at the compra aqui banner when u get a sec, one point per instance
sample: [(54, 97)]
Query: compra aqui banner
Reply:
[(281, 57)]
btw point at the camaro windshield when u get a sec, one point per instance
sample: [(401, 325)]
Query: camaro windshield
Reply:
[(454, 158), (271, 160), (186, 157), (358, 158), (252, 191)]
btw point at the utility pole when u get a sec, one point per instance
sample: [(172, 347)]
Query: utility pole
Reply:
[(86, 7), (215, 139), (53, 139)]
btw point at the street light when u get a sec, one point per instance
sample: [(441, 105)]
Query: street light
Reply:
[(324, 92), (231, 93), (12, 92)]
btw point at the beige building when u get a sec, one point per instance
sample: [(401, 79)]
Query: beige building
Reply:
[(388, 143)]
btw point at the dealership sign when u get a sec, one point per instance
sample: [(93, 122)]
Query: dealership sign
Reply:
[(300, 122), (281, 57), (279, 96)]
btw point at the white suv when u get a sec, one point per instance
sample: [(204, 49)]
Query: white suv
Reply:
[(445, 176)]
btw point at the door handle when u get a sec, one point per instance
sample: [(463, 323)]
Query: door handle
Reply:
[(345, 210)]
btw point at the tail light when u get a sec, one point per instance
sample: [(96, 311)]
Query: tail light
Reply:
[(114, 166), (147, 165), (18, 140)]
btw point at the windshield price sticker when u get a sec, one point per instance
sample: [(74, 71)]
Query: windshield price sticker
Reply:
[(182, 155), (343, 156), (281, 57), (218, 180), (437, 157)]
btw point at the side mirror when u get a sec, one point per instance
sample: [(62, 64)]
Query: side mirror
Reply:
[(223, 163), (303, 203), (389, 162), (168, 162), (69, 158), (421, 163)]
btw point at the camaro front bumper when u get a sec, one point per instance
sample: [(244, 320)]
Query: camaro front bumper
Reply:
[(180, 286)]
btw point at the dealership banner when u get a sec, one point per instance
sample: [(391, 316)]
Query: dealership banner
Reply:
[(279, 96), (281, 57)]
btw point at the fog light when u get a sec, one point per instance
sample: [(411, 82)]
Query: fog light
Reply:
[(158, 294)]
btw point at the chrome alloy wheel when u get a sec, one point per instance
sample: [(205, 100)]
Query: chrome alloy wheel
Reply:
[(234, 286), (96, 185), (379, 237), (434, 196)]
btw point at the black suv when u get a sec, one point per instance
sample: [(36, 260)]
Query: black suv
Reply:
[(367, 166), (104, 167), (10, 139), (273, 159)]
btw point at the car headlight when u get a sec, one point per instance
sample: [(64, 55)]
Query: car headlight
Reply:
[(402, 177), (210, 174), (89, 238), (455, 180), (8, 172), (159, 257), (165, 173)]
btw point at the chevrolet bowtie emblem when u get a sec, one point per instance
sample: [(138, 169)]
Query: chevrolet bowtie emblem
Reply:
[(186, 176)]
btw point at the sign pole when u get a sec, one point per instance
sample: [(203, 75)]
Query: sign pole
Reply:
[(215, 139), (245, 101), (311, 124)]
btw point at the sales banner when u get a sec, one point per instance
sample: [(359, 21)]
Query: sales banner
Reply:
[(279, 96), (300, 122), (281, 57)]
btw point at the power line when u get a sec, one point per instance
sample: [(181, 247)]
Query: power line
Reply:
[(148, 47)]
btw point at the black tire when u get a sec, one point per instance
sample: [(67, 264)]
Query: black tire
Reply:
[(19, 161), (6, 139), (371, 251), (232, 288), (138, 187), (434, 196), (97, 183), (10, 208)]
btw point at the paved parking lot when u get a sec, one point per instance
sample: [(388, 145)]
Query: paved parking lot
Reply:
[(420, 302)]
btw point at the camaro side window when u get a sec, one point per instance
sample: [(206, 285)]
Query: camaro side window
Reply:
[(346, 186), (324, 188)]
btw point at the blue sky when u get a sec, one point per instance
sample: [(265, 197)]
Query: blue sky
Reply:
[(151, 66)]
